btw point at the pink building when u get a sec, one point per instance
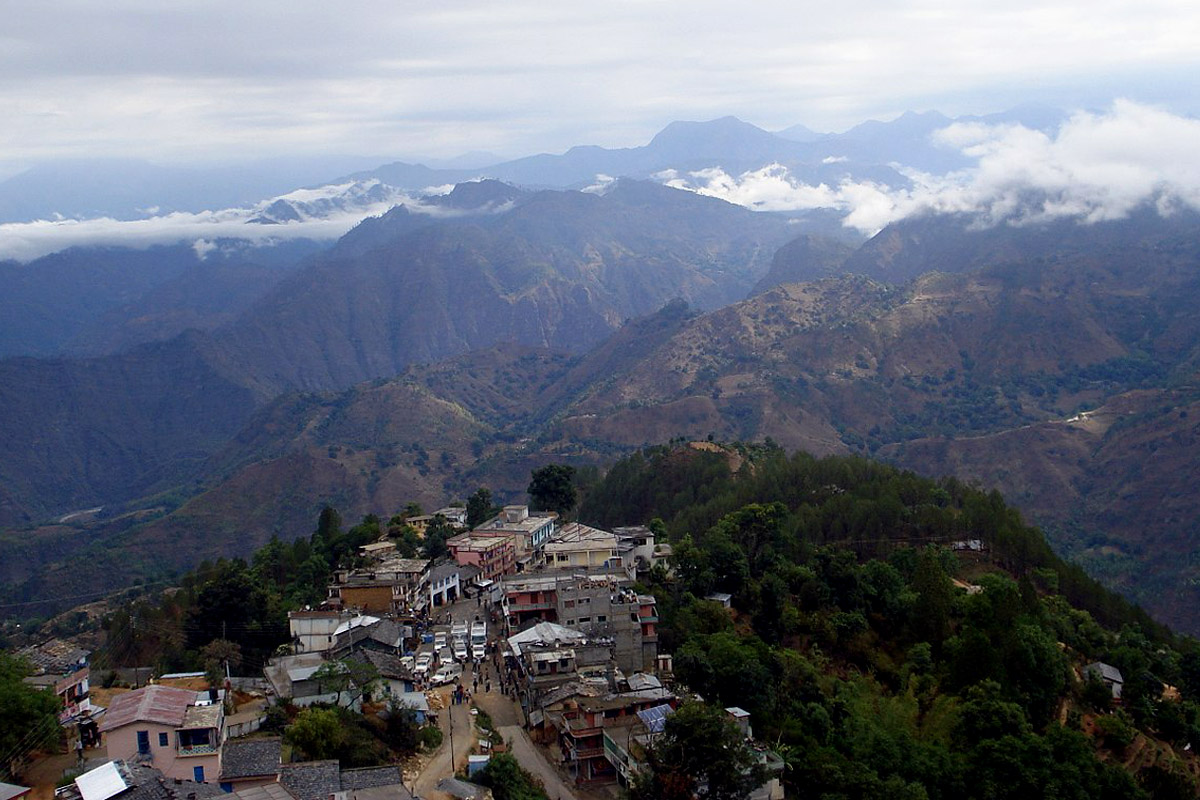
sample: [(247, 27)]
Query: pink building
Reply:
[(494, 555), (177, 731)]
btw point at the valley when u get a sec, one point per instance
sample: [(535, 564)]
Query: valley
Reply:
[(427, 354)]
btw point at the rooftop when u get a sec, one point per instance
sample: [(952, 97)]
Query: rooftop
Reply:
[(544, 633), (250, 758), (9, 791), (127, 781), (160, 704), (203, 716), (369, 777), (577, 536), (517, 519), (468, 541), (55, 656), (311, 780), (269, 791)]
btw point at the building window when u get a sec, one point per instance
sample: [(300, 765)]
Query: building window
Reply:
[(198, 774), (143, 741), (601, 618), (162, 739)]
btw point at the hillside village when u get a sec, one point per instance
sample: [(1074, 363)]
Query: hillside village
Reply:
[(791, 632), (539, 621)]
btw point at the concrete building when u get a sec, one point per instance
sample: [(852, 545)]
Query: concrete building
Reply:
[(445, 584), (529, 532), (605, 606), (61, 667), (395, 585), (178, 731), (494, 555), (579, 546), (598, 605), (312, 631)]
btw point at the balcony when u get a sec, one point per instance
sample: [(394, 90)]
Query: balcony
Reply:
[(197, 750), (515, 608)]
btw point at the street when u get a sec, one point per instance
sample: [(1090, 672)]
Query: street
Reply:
[(505, 716)]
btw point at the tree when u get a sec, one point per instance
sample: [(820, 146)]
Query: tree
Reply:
[(931, 612), (509, 781), (479, 507), (552, 488), (700, 754), (348, 675), (318, 733), (28, 716), (219, 656)]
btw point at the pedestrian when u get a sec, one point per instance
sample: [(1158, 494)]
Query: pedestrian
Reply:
[(487, 686)]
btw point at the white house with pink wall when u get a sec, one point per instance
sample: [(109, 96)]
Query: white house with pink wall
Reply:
[(177, 731)]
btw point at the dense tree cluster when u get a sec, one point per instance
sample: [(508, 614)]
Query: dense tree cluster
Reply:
[(856, 653)]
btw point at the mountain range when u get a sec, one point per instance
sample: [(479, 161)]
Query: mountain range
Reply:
[(210, 398)]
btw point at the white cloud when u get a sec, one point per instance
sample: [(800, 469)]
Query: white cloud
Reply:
[(1098, 167), (322, 213), (231, 79)]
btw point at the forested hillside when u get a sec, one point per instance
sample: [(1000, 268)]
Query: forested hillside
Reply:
[(884, 651)]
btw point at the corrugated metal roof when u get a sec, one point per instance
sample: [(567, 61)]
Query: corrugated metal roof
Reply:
[(102, 782), (161, 704)]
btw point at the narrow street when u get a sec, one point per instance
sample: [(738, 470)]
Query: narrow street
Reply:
[(507, 719)]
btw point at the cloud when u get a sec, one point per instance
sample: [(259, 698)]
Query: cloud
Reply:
[(322, 213), (222, 78), (1099, 166)]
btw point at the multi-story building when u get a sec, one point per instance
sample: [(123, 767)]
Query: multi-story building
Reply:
[(445, 583), (598, 605), (579, 546), (61, 667), (494, 555), (627, 738), (313, 631), (582, 729), (396, 585), (529, 532), (177, 731), (530, 597), (606, 606)]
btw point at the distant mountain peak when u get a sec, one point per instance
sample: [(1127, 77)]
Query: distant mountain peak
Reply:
[(482, 195)]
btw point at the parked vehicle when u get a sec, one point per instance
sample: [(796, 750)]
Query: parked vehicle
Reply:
[(424, 662), (446, 673), (479, 651), (460, 649)]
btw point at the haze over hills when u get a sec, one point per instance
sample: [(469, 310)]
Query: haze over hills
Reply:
[(192, 203), (465, 336), (549, 269)]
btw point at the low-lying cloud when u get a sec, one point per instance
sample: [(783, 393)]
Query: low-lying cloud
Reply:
[(1096, 167), (322, 213)]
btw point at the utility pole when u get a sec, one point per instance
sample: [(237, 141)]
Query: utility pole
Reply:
[(450, 711)]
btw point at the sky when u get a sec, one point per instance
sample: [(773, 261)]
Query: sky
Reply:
[(211, 80)]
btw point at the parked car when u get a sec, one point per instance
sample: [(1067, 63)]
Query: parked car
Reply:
[(446, 673), (424, 662), (479, 651), (460, 649)]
